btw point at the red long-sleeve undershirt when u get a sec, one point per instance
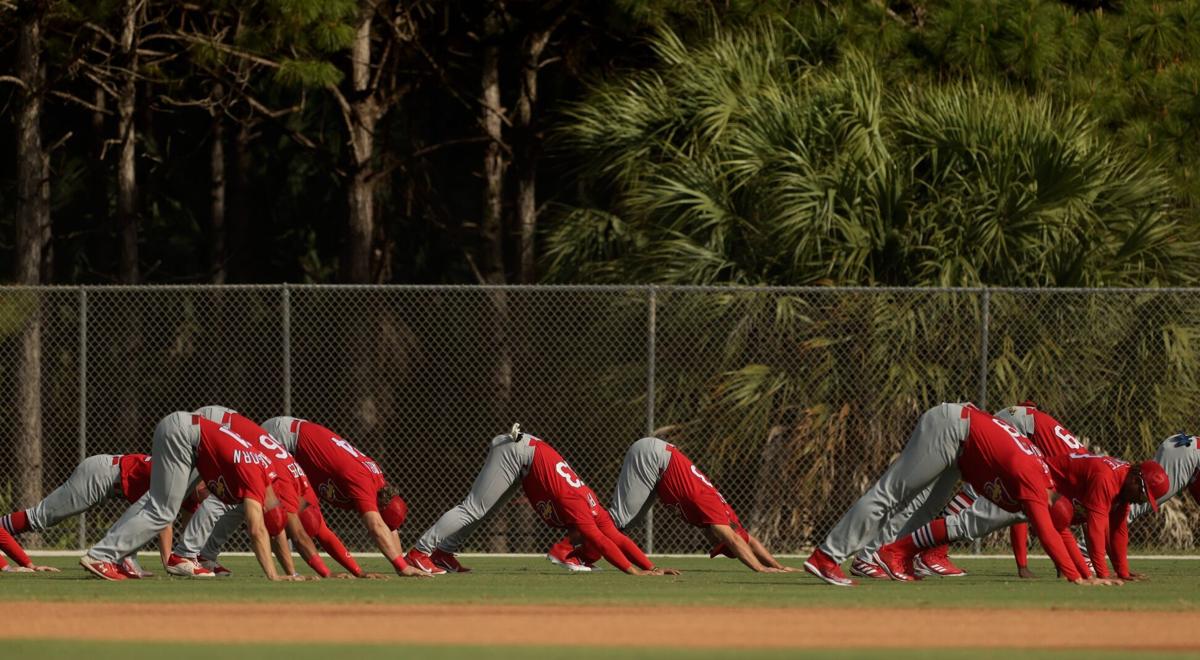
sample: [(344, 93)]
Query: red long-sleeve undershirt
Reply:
[(1038, 514)]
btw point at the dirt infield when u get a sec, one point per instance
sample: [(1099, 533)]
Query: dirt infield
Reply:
[(696, 627)]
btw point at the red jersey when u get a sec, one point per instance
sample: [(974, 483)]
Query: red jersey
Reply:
[(1051, 437), (341, 475), (232, 469), (1093, 484), (697, 500), (290, 483), (135, 475), (554, 490), (1001, 464)]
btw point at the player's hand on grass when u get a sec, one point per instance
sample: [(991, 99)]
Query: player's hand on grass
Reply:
[(374, 576), (45, 569), (789, 569), (1135, 577), (17, 569), (341, 576), (1024, 573), (413, 572)]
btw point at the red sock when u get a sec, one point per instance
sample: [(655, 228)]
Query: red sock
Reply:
[(13, 549), (333, 545), (1018, 534), (16, 522), (563, 548)]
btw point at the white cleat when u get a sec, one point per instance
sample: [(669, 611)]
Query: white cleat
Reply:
[(572, 564), (185, 567)]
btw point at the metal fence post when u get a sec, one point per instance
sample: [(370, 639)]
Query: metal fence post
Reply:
[(82, 401), (985, 305), (286, 329), (651, 331)]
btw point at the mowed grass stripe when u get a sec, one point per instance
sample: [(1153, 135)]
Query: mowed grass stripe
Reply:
[(1174, 585)]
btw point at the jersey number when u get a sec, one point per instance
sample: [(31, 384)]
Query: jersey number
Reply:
[(269, 443), (347, 446), (1068, 439), (1017, 438), (568, 474)]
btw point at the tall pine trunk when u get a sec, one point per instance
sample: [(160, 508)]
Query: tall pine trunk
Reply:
[(216, 198), (528, 147), (127, 220), (364, 115), (33, 237)]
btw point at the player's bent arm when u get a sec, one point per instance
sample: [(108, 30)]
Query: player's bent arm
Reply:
[(388, 543), (1097, 540), (166, 537), (1118, 543), (766, 557), (592, 535), (259, 539), (741, 550), (305, 545), (284, 553), (1038, 514)]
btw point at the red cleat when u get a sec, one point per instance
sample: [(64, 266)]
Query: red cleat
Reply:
[(447, 561), (894, 562), (824, 567), (185, 567), (423, 562), (936, 561), (217, 569), (863, 568), (105, 570)]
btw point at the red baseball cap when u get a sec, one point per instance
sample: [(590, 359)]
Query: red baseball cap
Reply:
[(1154, 482), (394, 513)]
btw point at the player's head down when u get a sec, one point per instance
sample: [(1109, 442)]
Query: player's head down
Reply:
[(1146, 482), (392, 509)]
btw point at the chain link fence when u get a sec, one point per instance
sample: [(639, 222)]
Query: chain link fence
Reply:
[(792, 400)]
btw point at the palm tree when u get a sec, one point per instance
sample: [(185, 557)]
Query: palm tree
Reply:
[(757, 158)]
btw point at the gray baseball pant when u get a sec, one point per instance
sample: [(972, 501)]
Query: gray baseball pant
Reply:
[(980, 519), (208, 521), (927, 466), (94, 480), (507, 462), (171, 475), (645, 461)]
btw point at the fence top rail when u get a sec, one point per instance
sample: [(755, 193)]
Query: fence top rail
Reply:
[(699, 288)]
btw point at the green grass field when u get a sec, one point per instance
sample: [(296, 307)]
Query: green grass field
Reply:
[(1174, 585)]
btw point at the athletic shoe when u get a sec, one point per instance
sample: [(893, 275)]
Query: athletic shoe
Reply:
[(935, 561), (895, 563), (824, 567), (129, 568), (866, 569), (102, 569), (423, 562), (214, 566), (571, 564), (185, 567), (447, 561)]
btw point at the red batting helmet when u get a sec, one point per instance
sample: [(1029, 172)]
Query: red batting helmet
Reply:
[(1154, 482), (394, 513)]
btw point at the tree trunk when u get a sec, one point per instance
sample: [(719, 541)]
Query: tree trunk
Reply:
[(528, 148), (33, 235), (238, 229), (127, 220), (364, 115), (217, 239), (493, 156)]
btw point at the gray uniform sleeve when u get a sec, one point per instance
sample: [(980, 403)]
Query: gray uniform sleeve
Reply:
[(280, 429)]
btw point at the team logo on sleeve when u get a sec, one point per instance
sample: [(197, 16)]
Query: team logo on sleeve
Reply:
[(994, 490), (329, 492), (218, 488), (545, 509)]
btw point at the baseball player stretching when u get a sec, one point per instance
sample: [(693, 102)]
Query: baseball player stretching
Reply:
[(348, 479), (1097, 492), (655, 469), (1179, 455), (951, 440), (969, 516), (554, 490), (232, 471), (94, 481), (213, 523)]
